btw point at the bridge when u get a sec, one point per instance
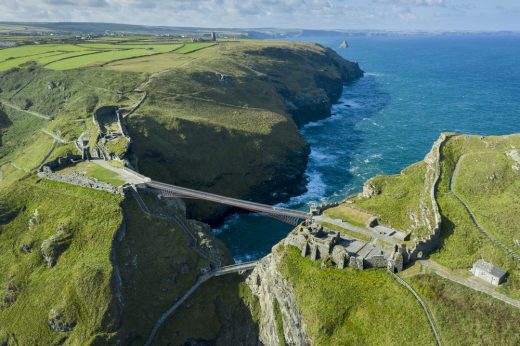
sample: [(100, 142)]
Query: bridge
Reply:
[(289, 216)]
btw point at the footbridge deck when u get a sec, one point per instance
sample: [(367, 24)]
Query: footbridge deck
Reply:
[(290, 216)]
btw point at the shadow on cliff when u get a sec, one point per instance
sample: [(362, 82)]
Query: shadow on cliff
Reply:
[(5, 122), (220, 160)]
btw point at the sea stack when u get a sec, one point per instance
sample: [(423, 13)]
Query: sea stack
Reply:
[(344, 44)]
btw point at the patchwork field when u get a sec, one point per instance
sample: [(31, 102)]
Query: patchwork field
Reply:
[(71, 56)]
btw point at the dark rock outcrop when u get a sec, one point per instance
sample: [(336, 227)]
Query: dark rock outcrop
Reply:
[(53, 247), (59, 322)]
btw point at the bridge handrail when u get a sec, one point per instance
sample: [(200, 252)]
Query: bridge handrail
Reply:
[(235, 201)]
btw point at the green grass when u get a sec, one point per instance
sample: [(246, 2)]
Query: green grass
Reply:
[(32, 155), (118, 146), (398, 199), (349, 214), (98, 58), (346, 231), (466, 317), (33, 50), (8, 64), (66, 56), (278, 319), (79, 284), (152, 63), (348, 307), (95, 171), (20, 131), (491, 188)]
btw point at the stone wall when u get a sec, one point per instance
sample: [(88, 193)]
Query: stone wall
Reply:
[(46, 171), (424, 246), (78, 179)]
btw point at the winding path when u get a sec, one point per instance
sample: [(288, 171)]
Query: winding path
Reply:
[(474, 219), (39, 115), (235, 268), (56, 137)]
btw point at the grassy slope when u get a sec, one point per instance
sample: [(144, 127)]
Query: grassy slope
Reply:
[(466, 317), (79, 284), (76, 94), (348, 307), (491, 188), (398, 198), (462, 243)]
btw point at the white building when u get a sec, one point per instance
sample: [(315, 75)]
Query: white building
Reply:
[(488, 272)]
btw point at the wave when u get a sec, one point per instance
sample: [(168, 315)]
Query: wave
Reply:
[(320, 158), (352, 104), (374, 74), (316, 189), (228, 224), (247, 257)]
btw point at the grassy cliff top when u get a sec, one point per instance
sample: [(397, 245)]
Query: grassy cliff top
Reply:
[(481, 173), (351, 307)]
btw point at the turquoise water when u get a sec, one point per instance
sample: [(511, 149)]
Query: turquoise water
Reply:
[(414, 88)]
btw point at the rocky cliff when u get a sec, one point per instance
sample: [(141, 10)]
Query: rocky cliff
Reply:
[(280, 321)]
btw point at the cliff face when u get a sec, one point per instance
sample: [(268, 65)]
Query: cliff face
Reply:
[(280, 321), (252, 96)]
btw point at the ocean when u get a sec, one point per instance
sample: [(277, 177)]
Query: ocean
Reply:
[(414, 88)]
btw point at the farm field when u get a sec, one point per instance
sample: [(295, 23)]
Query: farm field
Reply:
[(71, 56), (192, 47)]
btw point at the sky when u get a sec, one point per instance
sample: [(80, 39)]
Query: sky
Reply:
[(430, 15)]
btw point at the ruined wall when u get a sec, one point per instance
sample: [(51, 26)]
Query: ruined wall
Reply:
[(378, 261), (46, 171), (79, 180)]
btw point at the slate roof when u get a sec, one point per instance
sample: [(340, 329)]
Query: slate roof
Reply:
[(490, 268)]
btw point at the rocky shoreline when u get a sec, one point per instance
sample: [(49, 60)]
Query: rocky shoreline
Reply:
[(289, 179)]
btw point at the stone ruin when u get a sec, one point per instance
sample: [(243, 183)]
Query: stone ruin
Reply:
[(320, 243), (47, 171)]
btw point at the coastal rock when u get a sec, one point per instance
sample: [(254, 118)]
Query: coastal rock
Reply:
[(270, 287), (370, 190)]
